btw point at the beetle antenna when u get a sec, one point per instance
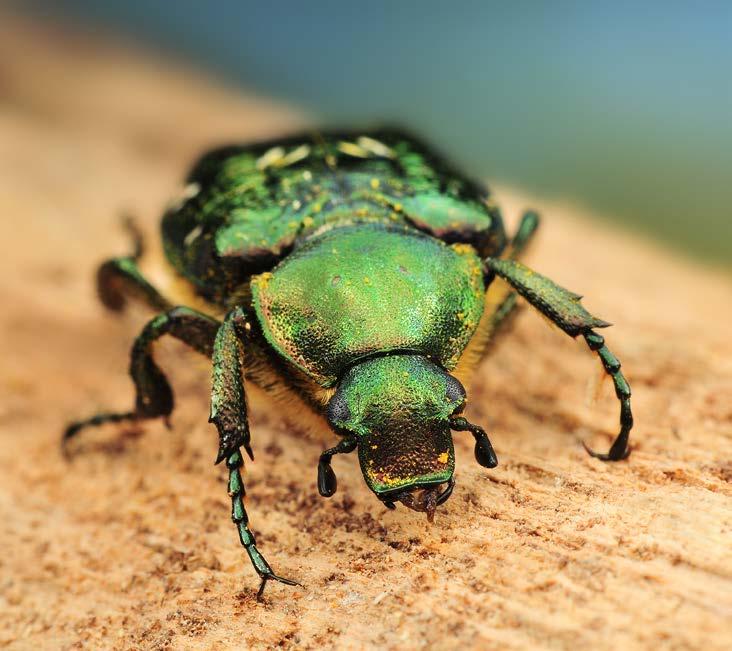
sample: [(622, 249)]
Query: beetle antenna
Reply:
[(484, 453), (327, 482)]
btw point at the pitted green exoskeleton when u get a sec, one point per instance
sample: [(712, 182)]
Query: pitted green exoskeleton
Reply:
[(351, 274)]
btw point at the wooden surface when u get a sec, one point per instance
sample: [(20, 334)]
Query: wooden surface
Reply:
[(130, 546)]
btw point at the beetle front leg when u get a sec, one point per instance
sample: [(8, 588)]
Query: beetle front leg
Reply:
[(611, 364), (229, 414), (564, 309)]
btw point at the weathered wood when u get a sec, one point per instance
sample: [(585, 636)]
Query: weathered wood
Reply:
[(130, 546)]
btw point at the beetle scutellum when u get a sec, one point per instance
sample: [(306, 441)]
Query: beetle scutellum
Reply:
[(354, 273)]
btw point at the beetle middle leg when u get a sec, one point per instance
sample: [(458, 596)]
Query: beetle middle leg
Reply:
[(564, 309), (154, 397)]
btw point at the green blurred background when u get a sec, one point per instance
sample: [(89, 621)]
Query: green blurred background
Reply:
[(625, 106)]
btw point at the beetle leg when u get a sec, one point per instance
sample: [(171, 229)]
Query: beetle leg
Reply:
[(327, 482), (240, 518), (120, 278), (154, 395), (524, 234), (564, 309), (500, 299), (228, 413), (506, 302), (619, 449), (228, 401)]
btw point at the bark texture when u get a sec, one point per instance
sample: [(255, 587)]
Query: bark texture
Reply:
[(130, 545)]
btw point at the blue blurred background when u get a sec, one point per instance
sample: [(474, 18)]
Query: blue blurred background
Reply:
[(624, 106)]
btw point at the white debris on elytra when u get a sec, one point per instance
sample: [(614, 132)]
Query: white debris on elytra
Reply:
[(269, 157), (375, 147), (193, 235), (352, 149), (191, 190), (297, 154), (276, 157), (188, 192)]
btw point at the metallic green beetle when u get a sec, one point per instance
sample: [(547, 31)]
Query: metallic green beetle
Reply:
[(354, 275)]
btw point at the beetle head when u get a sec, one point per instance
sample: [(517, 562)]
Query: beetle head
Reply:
[(398, 409)]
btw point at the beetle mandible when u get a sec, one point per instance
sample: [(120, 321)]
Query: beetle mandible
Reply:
[(354, 273)]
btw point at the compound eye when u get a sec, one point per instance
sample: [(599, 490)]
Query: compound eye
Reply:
[(455, 392), (337, 410)]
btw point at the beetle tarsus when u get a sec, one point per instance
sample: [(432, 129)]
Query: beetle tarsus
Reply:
[(274, 577), (154, 397), (119, 279), (240, 519), (607, 456), (530, 221), (135, 233), (94, 421), (619, 450)]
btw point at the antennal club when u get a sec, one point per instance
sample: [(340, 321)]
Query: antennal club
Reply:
[(485, 455), (327, 481)]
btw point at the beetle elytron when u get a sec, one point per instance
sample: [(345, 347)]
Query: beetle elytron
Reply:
[(356, 273)]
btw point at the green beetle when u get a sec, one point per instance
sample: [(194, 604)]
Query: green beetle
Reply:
[(355, 275)]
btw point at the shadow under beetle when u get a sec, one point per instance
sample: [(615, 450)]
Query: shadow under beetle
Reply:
[(356, 273)]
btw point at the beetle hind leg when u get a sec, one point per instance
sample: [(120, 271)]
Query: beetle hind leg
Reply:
[(120, 278), (524, 234), (154, 397), (94, 421)]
